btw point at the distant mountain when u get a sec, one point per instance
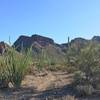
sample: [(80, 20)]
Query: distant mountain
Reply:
[(53, 49), (96, 39), (34, 40), (39, 43)]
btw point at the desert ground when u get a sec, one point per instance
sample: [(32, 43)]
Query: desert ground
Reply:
[(44, 86)]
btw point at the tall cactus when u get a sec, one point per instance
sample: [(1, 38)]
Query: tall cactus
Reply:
[(9, 41), (68, 42), (68, 56)]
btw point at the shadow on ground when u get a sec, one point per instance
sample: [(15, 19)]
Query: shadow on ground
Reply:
[(32, 94), (17, 94), (56, 93)]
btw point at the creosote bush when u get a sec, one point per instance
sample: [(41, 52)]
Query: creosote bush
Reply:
[(88, 64)]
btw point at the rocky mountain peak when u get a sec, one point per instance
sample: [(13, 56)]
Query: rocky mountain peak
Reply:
[(96, 38), (42, 40), (27, 41)]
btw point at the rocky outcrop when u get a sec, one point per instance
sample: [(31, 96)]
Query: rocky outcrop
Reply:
[(38, 42), (26, 42), (43, 41), (79, 43), (2, 48), (96, 39)]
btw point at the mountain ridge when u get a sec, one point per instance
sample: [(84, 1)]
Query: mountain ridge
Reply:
[(28, 41), (50, 47)]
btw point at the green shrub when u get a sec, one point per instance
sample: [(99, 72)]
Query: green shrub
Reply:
[(41, 60), (13, 66), (85, 89), (88, 64), (4, 74), (18, 66), (79, 77)]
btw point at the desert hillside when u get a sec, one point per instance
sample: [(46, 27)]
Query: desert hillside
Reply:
[(37, 68)]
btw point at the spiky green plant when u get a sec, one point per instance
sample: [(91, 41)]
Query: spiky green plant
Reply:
[(4, 74), (42, 60), (13, 66), (18, 65)]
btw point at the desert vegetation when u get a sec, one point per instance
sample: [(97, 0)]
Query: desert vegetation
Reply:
[(82, 63), (13, 67), (87, 76)]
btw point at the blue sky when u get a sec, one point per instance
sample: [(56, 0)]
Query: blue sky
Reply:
[(57, 19)]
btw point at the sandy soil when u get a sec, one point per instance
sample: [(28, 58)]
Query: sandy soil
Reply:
[(49, 80), (44, 86)]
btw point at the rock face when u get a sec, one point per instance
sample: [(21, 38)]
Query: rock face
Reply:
[(2, 48), (38, 43), (96, 39), (43, 41), (26, 42), (79, 43), (76, 43)]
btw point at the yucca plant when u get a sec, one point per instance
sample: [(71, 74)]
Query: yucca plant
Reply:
[(18, 65), (4, 74), (13, 66)]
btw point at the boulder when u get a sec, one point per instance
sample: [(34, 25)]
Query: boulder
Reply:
[(2, 48)]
